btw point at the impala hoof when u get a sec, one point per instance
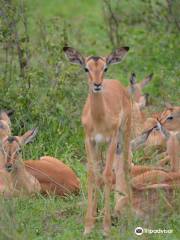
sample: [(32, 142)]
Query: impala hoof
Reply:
[(87, 230), (119, 206), (106, 231)]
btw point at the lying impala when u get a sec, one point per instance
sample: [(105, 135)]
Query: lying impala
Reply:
[(17, 180), (152, 179), (106, 119), (47, 175)]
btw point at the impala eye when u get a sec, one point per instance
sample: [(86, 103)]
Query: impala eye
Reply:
[(105, 69), (170, 118), (86, 69)]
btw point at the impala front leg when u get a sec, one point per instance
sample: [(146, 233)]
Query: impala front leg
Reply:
[(108, 180), (92, 156)]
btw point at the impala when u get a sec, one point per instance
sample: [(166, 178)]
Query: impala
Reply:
[(152, 178), (139, 102), (47, 175), (164, 179), (148, 188), (106, 119), (20, 181)]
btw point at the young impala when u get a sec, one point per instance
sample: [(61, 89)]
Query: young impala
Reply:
[(47, 175), (18, 180), (147, 181), (106, 119), (154, 179), (139, 102)]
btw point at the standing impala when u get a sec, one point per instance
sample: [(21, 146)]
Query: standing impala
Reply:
[(106, 119)]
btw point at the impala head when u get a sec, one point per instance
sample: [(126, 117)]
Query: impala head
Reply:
[(136, 88), (156, 138), (95, 66), (5, 123), (11, 149), (170, 118)]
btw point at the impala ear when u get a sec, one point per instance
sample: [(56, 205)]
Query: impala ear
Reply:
[(28, 137), (132, 79), (10, 112), (146, 80), (140, 140), (117, 55), (168, 105), (132, 82), (74, 56)]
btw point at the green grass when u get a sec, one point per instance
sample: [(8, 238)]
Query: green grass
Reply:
[(54, 104)]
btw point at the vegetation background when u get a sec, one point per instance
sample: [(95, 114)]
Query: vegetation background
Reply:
[(46, 91)]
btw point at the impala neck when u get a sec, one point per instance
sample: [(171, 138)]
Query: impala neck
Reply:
[(97, 106), (21, 178), (19, 170)]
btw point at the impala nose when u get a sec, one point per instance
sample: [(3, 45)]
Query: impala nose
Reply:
[(97, 87), (9, 167)]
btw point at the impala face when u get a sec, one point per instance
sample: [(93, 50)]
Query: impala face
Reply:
[(10, 149), (95, 66), (171, 119)]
